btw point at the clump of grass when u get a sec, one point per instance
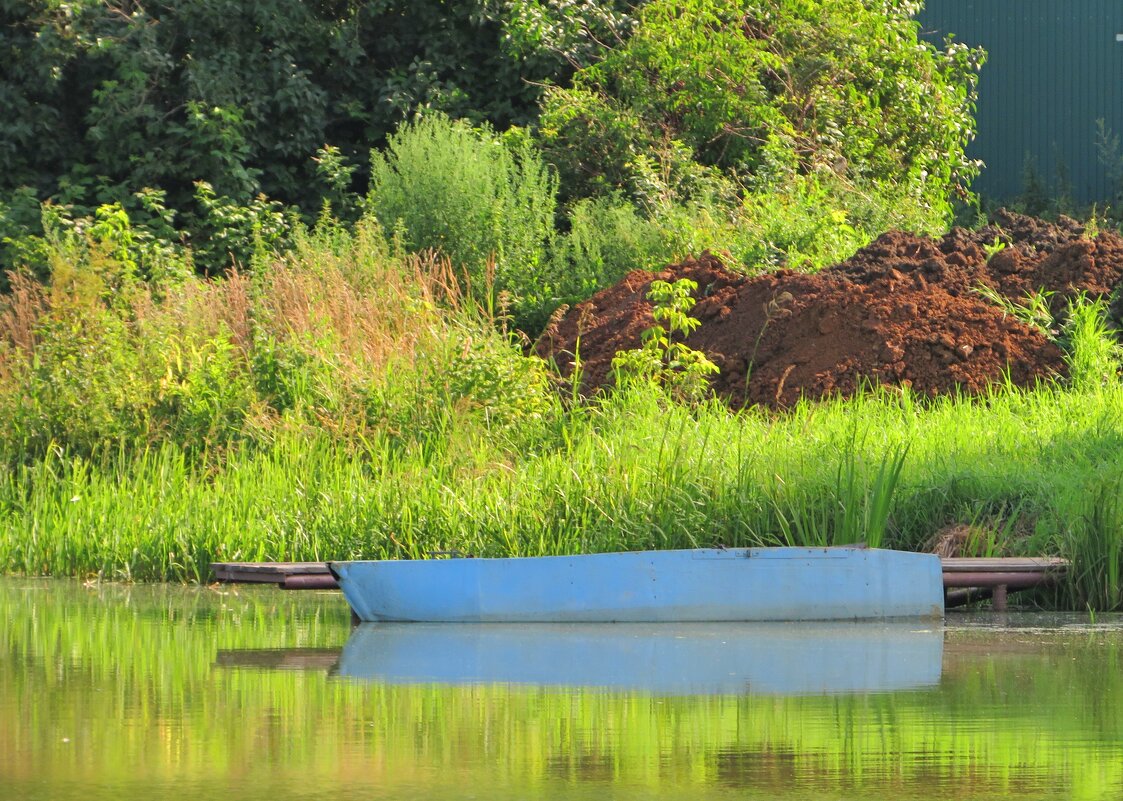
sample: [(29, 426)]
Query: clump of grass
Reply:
[(1034, 310), (853, 510), (1093, 346), (1092, 539)]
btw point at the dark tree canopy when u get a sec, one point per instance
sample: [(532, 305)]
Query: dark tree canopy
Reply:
[(105, 97)]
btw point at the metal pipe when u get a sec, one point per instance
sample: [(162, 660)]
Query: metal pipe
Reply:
[(1011, 580), (313, 582)]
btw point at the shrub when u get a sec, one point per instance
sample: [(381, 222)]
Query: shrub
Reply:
[(607, 238), (486, 203), (665, 360), (764, 91)]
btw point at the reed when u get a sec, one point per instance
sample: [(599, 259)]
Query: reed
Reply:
[(631, 471)]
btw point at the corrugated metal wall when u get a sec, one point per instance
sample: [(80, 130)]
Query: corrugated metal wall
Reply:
[(1054, 68)]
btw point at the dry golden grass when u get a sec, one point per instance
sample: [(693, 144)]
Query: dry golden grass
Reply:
[(358, 306), (19, 311), (370, 315)]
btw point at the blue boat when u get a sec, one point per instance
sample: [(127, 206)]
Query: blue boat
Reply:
[(700, 585), (659, 658)]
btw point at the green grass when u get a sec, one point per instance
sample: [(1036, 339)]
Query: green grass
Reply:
[(345, 401), (629, 472)]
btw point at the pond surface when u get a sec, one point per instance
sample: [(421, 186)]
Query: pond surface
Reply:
[(116, 692)]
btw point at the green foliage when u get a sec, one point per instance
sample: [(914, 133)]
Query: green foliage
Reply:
[(1094, 353), (336, 174), (491, 378), (273, 98), (607, 238), (665, 360), (486, 203), (759, 92), (776, 132), (994, 248), (809, 224), (241, 95), (228, 234)]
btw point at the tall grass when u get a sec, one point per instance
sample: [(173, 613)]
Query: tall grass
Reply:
[(485, 202), (336, 336), (346, 401), (628, 472)]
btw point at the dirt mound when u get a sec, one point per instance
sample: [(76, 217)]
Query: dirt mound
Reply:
[(903, 311)]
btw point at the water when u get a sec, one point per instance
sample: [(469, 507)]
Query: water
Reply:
[(252, 693)]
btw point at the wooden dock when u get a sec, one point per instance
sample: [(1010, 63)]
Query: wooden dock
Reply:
[(965, 579), (287, 575)]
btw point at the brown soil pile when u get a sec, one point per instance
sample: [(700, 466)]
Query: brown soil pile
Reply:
[(903, 311)]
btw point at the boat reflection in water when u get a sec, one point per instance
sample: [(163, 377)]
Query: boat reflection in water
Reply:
[(661, 658)]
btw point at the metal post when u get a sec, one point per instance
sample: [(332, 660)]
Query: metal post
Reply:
[(1000, 598)]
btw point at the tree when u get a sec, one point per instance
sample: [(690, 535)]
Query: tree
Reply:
[(104, 98), (755, 93)]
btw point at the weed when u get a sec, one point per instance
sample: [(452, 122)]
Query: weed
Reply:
[(1094, 352), (994, 248), (1092, 225), (665, 359), (1035, 311)]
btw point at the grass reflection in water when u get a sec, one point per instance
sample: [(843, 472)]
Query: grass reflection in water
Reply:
[(125, 692)]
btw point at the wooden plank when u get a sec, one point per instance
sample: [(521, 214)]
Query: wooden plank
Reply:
[(1018, 581), (266, 572), (310, 583), (277, 568)]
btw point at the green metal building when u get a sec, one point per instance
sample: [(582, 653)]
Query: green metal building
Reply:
[(1054, 70)]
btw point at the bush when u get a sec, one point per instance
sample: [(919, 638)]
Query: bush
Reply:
[(607, 238), (486, 203), (814, 222), (763, 91)]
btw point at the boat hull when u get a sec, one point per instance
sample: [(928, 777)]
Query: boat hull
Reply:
[(701, 585)]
